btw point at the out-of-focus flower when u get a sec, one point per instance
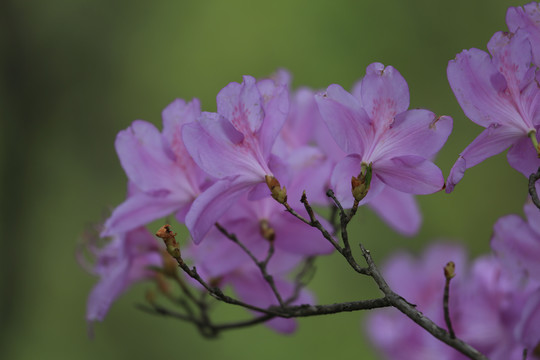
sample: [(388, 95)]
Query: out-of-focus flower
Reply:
[(121, 263), (162, 176), (234, 145), (485, 305), (517, 244), (501, 94), (375, 129)]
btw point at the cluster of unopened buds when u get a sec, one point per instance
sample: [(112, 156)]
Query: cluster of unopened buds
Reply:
[(244, 181)]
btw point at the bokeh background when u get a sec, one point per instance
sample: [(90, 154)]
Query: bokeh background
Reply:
[(75, 72)]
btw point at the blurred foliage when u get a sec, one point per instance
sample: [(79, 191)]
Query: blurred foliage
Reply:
[(75, 72)]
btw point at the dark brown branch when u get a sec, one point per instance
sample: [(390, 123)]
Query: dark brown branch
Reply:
[(211, 330), (449, 273), (395, 300), (533, 178)]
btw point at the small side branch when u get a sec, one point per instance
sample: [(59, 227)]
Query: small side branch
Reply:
[(262, 265), (533, 178), (449, 273)]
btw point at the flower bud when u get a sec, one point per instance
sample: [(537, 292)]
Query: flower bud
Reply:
[(168, 237), (450, 270), (278, 193), (266, 230), (360, 185)]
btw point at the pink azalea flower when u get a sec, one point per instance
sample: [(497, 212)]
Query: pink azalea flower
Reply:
[(234, 145), (374, 127), (162, 176), (501, 94), (121, 263)]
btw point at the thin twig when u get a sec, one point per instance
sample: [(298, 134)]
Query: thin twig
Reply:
[(449, 273), (299, 284), (533, 178), (260, 264)]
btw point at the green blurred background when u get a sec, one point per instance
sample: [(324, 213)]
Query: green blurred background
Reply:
[(75, 72)]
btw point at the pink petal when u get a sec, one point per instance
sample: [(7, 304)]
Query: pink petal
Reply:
[(491, 141), (207, 144), (400, 210), (533, 217), (528, 328), (384, 93), (517, 245), (512, 57), (346, 120), (295, 237), (411, 174), (477, 85), (139, 210), (522, 156), (141, 151), (217, 256), (276, 107), (415, 132), (526, 18), (174, 116), (212, 204), (241, 105)]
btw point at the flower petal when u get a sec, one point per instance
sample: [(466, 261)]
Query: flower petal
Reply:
[(140, 209), (207, 144), (212, 203), (491, 141), (512, 57), (174, 116), (415, 132), (526, 18), (517, 245), (522, 156), (141, 151), (276, 107), (479, 88), (295, 237), (400, 210), (241, 105), (411, 174), (346, 120), (384, 94), (533, 217), (528, 328)]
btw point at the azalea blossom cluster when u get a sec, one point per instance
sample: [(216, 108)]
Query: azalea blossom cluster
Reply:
[(243, 181), (225, 168)]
